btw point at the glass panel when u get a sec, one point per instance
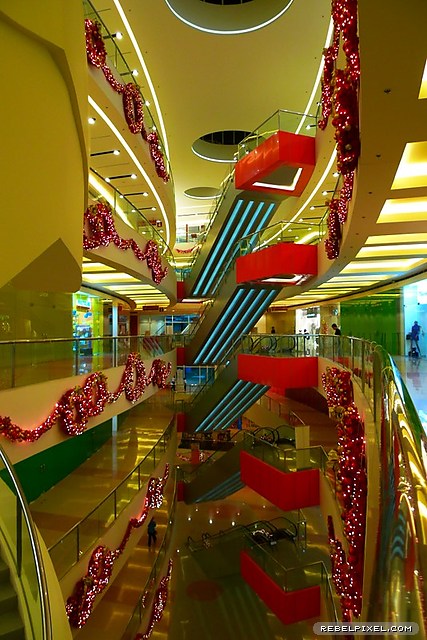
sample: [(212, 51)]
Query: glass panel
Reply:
[(290, 121), (65, 553), (21, 552)]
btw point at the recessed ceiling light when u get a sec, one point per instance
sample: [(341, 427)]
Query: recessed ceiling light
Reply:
[(133, 176), (134, 72), (91, 120), (116, 152)]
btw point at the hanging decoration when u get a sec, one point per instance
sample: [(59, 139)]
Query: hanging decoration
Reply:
[(190, 250), (76, 406), (80, 604), (347, 572), (340, 99), (100, 231), (159, 604), (133, 102)]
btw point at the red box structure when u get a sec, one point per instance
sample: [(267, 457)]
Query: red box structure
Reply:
[(284, 263), (282, 164)]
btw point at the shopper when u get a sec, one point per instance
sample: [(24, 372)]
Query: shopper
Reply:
[(152, 533), (337, 330), (415, 337)]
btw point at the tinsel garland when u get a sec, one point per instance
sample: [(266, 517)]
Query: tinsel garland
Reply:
[(190, 250), (132, 100), (347, 572), (340, 98), (79, 605), (76, 406), (100, 231), (159, 604)]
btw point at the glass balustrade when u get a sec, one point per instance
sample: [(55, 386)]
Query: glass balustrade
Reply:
[(148, 588), (20, 547), (25, 362), (133, 216), (117, 62), (282, 120), (67, 551)]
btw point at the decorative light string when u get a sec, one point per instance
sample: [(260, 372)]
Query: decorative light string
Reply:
[(159, 604), (133, 105), (340, 99), (347, 572), (80, 604), (76, 406), (100, 231)]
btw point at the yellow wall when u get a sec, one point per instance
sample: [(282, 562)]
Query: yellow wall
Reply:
[(44, 143)]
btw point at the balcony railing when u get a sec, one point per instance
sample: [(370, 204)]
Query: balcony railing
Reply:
[(20, 542), (24, 362), (72, 545)]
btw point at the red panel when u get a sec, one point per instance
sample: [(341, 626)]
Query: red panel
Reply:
[(180, 290), (284, 258), (286, 490), (288, 606), (180, 490), (283, 373), (281, 149), (180, 422), (180, 356)]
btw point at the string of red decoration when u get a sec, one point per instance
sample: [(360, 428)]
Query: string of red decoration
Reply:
[(79, 605), (133, 105), (186, 250), (159, 604), (340, 98), (100, 231), (76, 406), (347, 572)]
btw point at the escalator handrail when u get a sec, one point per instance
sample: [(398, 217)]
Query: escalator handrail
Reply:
[(42, 586)]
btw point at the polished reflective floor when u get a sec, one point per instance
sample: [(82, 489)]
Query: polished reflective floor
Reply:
[(414, 374), (205, 601)]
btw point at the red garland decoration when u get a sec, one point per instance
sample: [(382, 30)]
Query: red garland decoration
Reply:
[(157, 156), (101, 231), (186, 250), (76, 406), (159, 604), (133, 108), (340, 98), (132, 99), (80, 604), (347, 573)]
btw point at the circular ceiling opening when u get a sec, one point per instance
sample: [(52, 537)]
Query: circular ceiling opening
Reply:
[(202, 193), (219, 146), (228, 17)]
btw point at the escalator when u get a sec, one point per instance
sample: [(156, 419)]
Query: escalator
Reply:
[(219, 404), (219, 475), (238, 214), (234, 311)]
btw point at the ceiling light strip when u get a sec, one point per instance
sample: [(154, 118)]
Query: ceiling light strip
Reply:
[(137, 163), (146, 73)]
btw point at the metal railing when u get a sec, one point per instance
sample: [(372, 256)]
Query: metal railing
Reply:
[(24, 362), (122, 206), (21, 546), (66, 552), (119, 63), (281, 120), (148, 590)]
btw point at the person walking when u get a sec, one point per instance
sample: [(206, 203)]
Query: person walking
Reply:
[(415, 337), (152, 533)]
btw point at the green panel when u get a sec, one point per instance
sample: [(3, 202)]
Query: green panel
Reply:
[(376, 318), (43, 470)]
